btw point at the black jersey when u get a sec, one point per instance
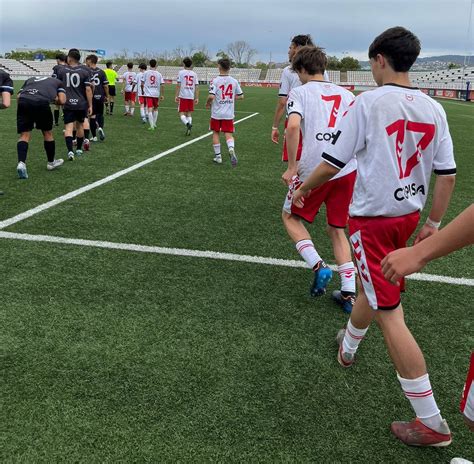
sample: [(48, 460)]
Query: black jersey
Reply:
[(6, 84), (56, 69), (98, 80), (40, 90), (75, 80)]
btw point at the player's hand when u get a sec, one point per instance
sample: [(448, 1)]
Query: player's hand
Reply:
[(275, 136), (288, 175), (298, 198), (162, 97), (425, 232), (400, 263), (122, 91), (208, 106), (89, 111), (176, 99), (196, 102)]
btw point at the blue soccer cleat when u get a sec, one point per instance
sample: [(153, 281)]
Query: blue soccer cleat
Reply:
[(345, 299), (322, 276)]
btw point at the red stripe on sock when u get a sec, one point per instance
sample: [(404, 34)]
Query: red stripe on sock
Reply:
[(304, 246), (419, 395), (355, 337)]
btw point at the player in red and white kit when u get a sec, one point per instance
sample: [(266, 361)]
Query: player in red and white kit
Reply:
[(187, 94), (129, 89), (152, 84), (141, 97), (223, 92), (314, 109), (399, 136)]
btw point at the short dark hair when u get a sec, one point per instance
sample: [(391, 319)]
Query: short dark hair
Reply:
[(302, 40), (188, 62), (399, 46), (224, 63), (92, 58), (108, 64), (130, 65), (153, 63), (312, 59), (142, 66), (75, 54), (61, 57)]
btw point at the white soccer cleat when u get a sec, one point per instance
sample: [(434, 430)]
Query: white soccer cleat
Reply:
[(21, 170), (55, 164), (217, 159), (79, 152), (233, 157), (101, 134), (70, 156), (94, 139)]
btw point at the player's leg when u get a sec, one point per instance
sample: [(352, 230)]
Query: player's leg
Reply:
[(56, 115), (25, 121), (22, 152), (127, 104), (112, 99), (155, 110), (216, 144), (68, 131), (429, 428), (229, 138), (143, 113), (132, 103), (80, 136), (93, 124), (50, 149), (99, 114), (151, 119), (86, 126)]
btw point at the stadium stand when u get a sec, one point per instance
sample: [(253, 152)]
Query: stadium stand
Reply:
[(446, 76), (274, 76), (15, 67), (43, 68)]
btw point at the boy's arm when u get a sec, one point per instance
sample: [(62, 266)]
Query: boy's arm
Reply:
[(162, 91), (292, 142), (6, 100), (209, 101), (196, 94), (89, 99), (279, 110), (178, 87), (457, 234)]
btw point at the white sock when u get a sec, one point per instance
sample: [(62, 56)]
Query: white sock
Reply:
[(127, 108), (155, 116), (151, 119), (419, 392), (184, 119), (142, 112), (230, 144), (217, 148), (307, 251), (347, 273), (132, 110), (190, 119), (352, 338)]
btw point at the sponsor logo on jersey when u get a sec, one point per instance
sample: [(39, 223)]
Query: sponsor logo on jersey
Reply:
[(408, 191), (328, 136)]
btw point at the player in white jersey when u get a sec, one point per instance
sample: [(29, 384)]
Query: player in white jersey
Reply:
[(187, 94), (141, 97), (313, 109), (152, 84), (128, 89), (223, 92), (399, 136)]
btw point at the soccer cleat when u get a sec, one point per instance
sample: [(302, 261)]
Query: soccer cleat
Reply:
[(94, 139), (344, 359), (101, 134), (151, 128), (322, 276), (460, 461), (189, 126), (233, 157), (415, 433), (79, 152), (346, 300), (70, 156), (217, 159), (55, 164), (144, 120), (86, 145), (126, 113), (21, 170)]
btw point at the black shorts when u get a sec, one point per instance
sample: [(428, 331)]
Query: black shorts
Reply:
[(74, 115), (97, 107), (112, 92), (29, 116)]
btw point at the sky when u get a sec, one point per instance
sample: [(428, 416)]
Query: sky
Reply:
[(340, 26)]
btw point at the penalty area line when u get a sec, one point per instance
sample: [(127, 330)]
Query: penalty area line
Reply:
[(105, 180), (183, 252)]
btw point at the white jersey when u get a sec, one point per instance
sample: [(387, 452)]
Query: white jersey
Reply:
[(225, 89), (289, 80), (138, 81), (321, 106), (152, 80), (188, 80), (399, 136), (129, 78)]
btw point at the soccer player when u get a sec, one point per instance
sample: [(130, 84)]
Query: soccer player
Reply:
[(76, 82), (33, 110), (141, 97), (111, 78), (289, 80), (187, 94), (6, 91), (223, 92), (60, 61), (100, 95), (152, 85), (314, 109), (128, 88), (399, 136)]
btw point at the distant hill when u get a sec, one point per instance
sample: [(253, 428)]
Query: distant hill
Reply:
[(433, 62)]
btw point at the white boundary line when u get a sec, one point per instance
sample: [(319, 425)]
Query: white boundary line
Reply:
[(105, 180), (204, 254)]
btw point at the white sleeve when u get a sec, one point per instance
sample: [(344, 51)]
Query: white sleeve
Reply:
[(178, 80), (284, 84), (295, 104), (349, 136), (443, 161), (238, 89), (212, 88), (142, 78)]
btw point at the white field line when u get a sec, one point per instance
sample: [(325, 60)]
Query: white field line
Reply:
[(105, 180), (203, 254)]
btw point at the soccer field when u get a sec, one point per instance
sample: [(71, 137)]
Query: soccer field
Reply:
[(147, 348)]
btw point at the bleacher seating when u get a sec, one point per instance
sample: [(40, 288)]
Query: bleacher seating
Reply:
[(274, 76), (459, 75), (44, 68), (360, 78), (15, 67)]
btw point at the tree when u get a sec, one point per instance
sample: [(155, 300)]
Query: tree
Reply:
[(349, 64), (241, 52), (199, 59), (333, 63), (453, 66)]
